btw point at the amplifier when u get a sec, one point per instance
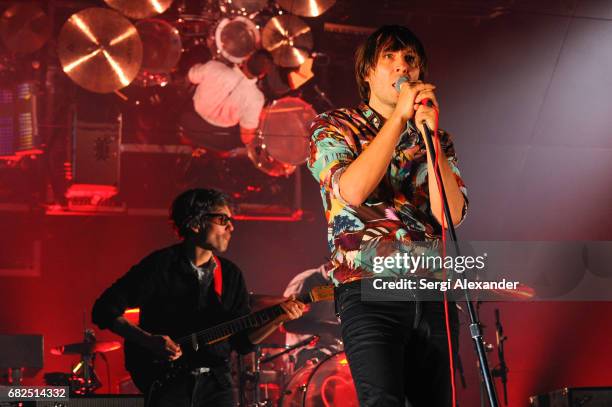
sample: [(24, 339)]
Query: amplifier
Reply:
[(574, 397), (97, 127), (95, 154)]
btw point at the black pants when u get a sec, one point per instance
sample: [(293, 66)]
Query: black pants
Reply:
[(203, 134), (203, 390), (397, 350)]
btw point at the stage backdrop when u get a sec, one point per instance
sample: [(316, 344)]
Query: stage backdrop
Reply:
[(525, 92)]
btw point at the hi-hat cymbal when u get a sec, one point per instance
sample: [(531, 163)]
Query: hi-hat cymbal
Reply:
[(140, 8), (289, 40), (24, 28), (306, 8), (100, 50), (85, 348), (303, 326)]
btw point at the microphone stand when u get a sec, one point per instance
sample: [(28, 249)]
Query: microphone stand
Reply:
[(475, 328)]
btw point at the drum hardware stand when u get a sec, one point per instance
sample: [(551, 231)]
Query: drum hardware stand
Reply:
[(254, 376), (290, 348), (501, 370), (475, 327), (87, 363)]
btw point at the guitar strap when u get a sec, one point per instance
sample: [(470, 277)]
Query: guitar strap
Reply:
[(218, 277)]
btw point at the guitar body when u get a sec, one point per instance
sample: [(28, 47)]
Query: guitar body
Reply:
[(147, 369)]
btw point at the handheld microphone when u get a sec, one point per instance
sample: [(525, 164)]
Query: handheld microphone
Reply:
[(400, 82), (403, 79)]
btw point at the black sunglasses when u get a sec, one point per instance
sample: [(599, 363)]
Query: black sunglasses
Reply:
[(221, 218)]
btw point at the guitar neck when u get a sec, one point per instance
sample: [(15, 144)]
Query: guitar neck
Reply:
[(253, 320), (229, 328)]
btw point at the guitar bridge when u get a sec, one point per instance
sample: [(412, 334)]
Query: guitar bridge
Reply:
[(194, 342)]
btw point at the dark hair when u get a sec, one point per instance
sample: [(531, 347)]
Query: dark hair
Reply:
[(386, 38), (259, 63), (189, 207)]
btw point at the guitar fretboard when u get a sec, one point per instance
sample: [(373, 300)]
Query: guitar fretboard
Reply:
[(229, 328)]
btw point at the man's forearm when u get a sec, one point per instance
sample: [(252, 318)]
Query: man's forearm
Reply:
[(363, 175), (247, 135), (129, 331), (456, 200)]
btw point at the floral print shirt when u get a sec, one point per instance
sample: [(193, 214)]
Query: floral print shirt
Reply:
[(397, 215)]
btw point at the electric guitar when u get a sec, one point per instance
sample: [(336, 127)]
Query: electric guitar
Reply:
[(146, 368)]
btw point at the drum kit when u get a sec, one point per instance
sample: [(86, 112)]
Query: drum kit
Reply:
[(269, 378), (104, 51), (312, 372)]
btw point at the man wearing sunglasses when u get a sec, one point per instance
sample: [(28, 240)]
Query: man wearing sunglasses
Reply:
[(182, 289)]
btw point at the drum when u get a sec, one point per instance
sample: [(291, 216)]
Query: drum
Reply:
[(161, 51), (194, 18), (161, 45), (234, 39), (324, 384), (283, 137)]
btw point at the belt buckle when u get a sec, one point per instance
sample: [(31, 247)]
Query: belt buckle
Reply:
[(200, 370)]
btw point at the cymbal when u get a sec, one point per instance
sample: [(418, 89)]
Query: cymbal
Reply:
[(306, 8), (100, 50), (84, 348), (522, 292), (140, 8), (24, 28), (305, 326), (161, 45), (289, 39)]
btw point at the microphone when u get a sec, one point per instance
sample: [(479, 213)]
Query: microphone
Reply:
[(403, 79), (400, 82)]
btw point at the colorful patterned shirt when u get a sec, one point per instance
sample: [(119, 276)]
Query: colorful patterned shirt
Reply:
[(396, 215)]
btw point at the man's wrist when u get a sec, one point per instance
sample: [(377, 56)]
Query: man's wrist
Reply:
[(398, 118)]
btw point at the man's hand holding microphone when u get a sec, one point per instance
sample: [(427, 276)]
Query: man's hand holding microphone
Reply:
[(417, 100)]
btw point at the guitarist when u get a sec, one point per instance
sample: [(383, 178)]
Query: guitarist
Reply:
[(180, 290)]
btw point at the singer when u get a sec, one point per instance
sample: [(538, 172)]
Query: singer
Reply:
[(379, 191)]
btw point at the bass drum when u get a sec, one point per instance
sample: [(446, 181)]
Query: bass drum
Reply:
[(325, 384), (282, 140)]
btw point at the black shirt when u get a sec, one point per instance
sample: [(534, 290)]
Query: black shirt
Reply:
[(166, 288)]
